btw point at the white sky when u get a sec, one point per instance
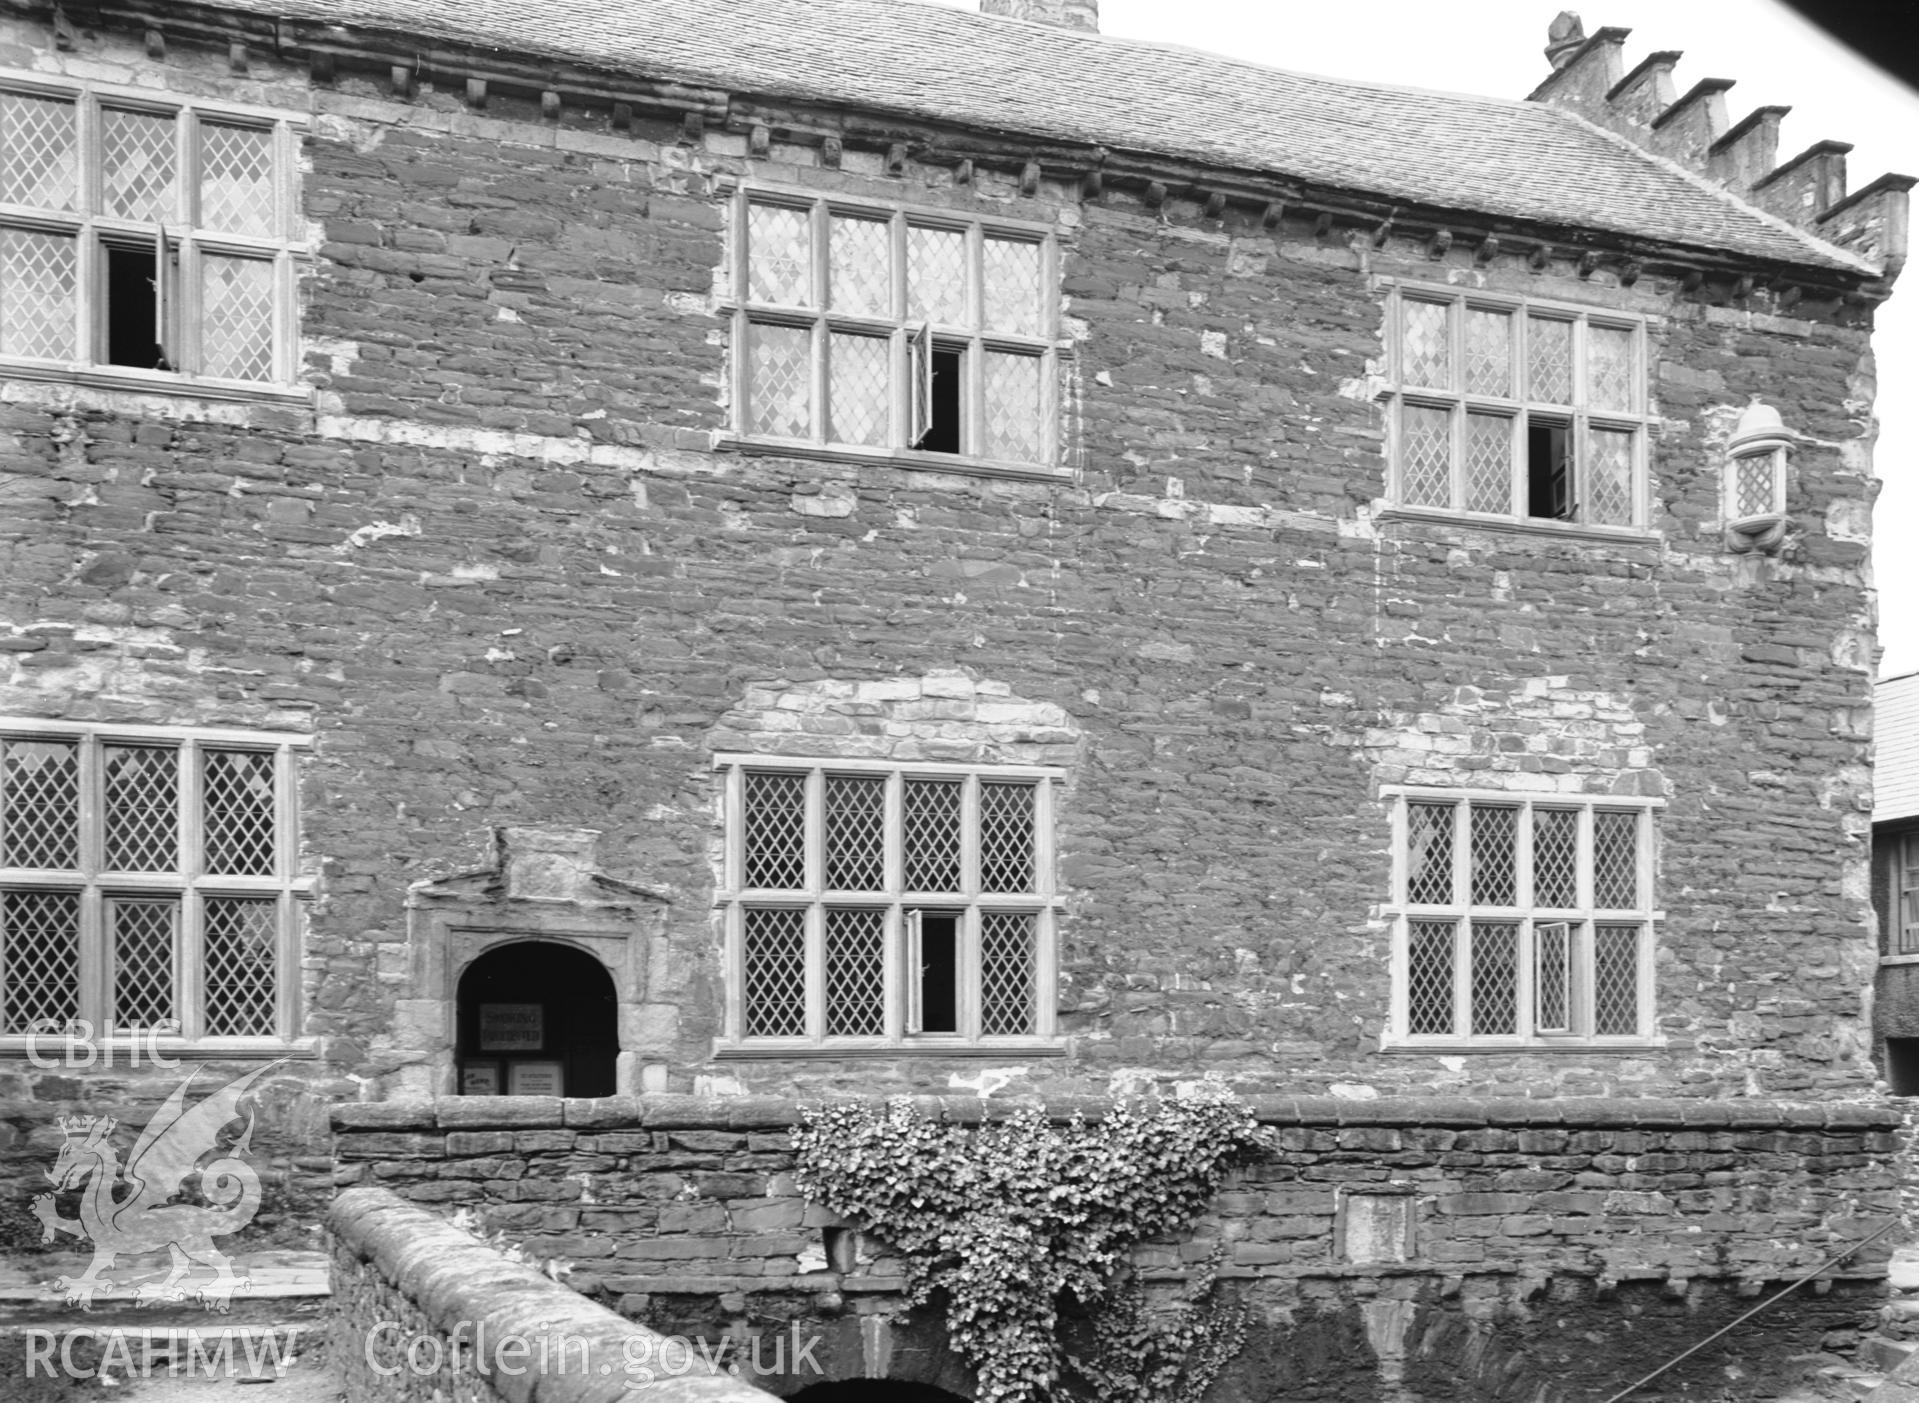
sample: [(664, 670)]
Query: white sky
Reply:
[(1496, 47)]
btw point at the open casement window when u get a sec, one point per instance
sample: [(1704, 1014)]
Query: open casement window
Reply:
[(1523, 410), (860, 330), (1521, 921), (148, 883), (145, 241), (874, 906)]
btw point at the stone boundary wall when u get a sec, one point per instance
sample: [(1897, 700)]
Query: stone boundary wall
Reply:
[(422, 1311), (1481, 1200)]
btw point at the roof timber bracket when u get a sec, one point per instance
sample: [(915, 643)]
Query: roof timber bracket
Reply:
[(156, 43), (1029, 179)]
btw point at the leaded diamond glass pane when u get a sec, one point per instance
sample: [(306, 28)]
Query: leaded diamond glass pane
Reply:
[(775, 974), (775, 830), (936, 276), (1489, 352), (143, 934), (1549, 359), (40, 804), (242, 966), (236, 310), (237, 820), (1495, 830), (1426, 343), (860, 252), (930, 821), (861, 392), (39, 959), (1006, 943), (779, 255), (1426, 456), (1010, 285), (1616, 981), (855, 972), (779, 380), (142, 808), (38, 152), (236, 179), (1429, 978), (1609, 477), (1752, 486), (855, 834), (1609, 367), (1012, 408), (1429, 854), (1006, 837), (1615, 860), (38, 275), (1489, 463), (1552, 977), (1495, 983), (1555, 858), (137, 165)]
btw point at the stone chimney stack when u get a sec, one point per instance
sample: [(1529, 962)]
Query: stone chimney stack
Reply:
[(1694, 129), (1067, 14)]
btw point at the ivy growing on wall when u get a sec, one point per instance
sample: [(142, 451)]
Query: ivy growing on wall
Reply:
[(1021, 1216)]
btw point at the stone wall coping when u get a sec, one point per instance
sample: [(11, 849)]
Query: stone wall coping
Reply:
[(457, 1280), (671, 1112)]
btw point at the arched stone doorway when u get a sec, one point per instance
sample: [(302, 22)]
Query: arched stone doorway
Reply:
[(874, 1391), (536, 1017)]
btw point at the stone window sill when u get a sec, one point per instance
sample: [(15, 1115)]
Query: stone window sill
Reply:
[(154, 382), (1911, 959), (882, 457), (786, 1051), (1545, 529)]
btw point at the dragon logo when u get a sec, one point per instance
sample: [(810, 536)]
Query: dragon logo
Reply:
[(136, 1217)]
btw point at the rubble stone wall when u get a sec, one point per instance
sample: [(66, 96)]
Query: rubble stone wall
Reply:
[(1542, 1236), (423, 1311)]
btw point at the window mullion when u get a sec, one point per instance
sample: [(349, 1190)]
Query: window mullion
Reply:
[(1463, 930), (822, 341), (95, 968), (1585, 990), (1583, 863), (813, 862), (815, 969), (971, 1006), (189, 1002)]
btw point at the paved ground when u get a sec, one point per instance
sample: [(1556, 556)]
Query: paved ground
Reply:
[(268, 1348)]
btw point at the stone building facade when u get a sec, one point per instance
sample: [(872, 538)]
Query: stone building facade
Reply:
[(828, 547)]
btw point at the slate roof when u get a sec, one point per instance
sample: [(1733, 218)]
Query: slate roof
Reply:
[(1895, 747), (1505, 158)]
